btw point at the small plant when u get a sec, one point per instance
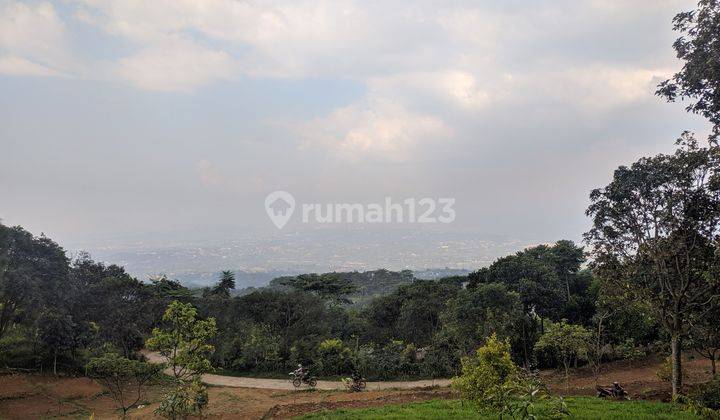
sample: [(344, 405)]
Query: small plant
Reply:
[(709, 395), (484, 379), (190, 398), (124, 379), (525, 395)]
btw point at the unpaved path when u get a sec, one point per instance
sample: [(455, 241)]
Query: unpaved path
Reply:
[(283, 384)]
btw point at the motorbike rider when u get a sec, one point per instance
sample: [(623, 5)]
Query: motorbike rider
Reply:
[(301, 372)]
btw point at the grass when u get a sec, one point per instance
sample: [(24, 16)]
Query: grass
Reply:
[(580, 408)]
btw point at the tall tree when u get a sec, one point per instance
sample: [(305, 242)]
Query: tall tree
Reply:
[(33, 272), (329, 286), (698, 46), (654, 232), (224, 286)]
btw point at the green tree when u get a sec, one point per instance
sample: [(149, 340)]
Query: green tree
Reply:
[(699, 78), (474, 314), (126, 380), (333, 357), (566, 342), (33, 274), (184, 344), (56, 334), (224, 286), (653, 235), (329, 286), (485, 374), (705, 334)]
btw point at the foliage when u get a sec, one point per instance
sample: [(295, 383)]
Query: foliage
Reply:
[(222, 289), (124, 379), (333, 358), (485, 375), (184, 344), (188, 398), (697, 47), (329, 286), (704, 334), (566, 342), (708, 395), (256, 348), (527, 397), (628, 350), (654, 234)]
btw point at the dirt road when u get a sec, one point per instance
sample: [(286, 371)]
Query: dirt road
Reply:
[(282, 384)]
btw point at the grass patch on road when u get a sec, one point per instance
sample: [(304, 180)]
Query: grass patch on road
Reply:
[(580, 408)]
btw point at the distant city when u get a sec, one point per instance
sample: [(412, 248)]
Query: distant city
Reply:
[(258, 258)]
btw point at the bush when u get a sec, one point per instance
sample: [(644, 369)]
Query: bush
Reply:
[(485, 375), (125, 379), (333, 358), (188, 398), (256, 349), (628, 350), (709, 395)]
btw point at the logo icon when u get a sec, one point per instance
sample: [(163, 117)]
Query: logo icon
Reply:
[(280, 206)]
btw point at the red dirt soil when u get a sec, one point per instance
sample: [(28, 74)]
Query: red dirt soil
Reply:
[(25, 396)]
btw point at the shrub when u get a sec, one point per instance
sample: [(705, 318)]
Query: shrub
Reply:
[(628, 350), (256, 349), (188, 398), (566, 342), (333, 357), (486, 375), (709, 395), (125, 379)]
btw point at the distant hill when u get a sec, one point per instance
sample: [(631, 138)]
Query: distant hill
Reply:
[(439, 273)]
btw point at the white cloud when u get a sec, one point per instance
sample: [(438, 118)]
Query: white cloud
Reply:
[(209, 175), (377, 128), (18, 66), (597, 86), (214, 179), (34, 40), (175, 65)]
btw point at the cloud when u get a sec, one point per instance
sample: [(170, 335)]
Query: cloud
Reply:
[(377, 128), (209, 175), (175, 65), (34, 40), (214, 179), (18, 66)]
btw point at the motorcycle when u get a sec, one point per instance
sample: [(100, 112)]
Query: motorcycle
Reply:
[(355, 384), (298, 379), (615, 391)]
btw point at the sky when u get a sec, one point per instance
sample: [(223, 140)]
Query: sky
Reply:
[(133, 117)]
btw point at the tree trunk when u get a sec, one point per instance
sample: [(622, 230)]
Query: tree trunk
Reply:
[(525, 348), (567, 287), (712, 362), (676, 360), (55, 363)]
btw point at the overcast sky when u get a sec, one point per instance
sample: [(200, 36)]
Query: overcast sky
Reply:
[(136, 116)]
